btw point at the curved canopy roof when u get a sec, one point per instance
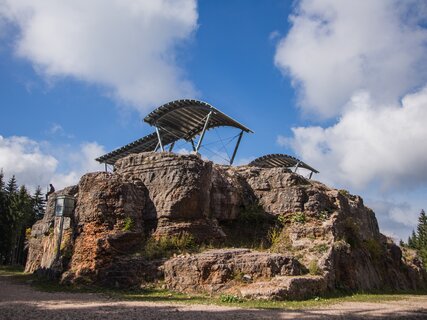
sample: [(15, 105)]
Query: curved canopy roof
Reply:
[(280, 160), (144, 144), (186, 118), (180, 119)]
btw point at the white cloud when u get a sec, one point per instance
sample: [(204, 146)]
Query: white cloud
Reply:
[(397, 219), (354, 61), (78, 162), (337, 47), (33, 164), (128, 46), (370, 144), (23, 158)]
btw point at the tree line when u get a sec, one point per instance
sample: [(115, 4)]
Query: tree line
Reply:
[(19, 210), (418, 239)]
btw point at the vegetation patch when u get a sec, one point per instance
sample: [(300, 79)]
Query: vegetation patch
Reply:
[(314, 269), (229, 298), (374, 248), (298, 217), (351, 232), (128, 224), (166, 246), (251, 229), (321, 248), (344, 192)]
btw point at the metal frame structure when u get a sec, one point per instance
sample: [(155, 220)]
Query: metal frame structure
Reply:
[(180, 119), (281, 160)]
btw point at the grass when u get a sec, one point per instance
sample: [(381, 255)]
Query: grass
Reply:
[(160, 295), (166, 246)]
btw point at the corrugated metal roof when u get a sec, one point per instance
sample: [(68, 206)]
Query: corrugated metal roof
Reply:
[(186, 118), (147, 143), (180, 119), (280, 160)]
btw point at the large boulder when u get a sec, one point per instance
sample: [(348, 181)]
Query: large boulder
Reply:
[(108, 224), (219, 269)]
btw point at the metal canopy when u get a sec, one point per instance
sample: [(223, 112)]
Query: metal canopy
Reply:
[(186, 118), (144, 144), (180, 119), (281, 160)]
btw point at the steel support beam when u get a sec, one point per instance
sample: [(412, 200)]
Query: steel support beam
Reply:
[(160, 139), (296, 167), (199, 143), (311, 174), (236, 147), (192, 144), (171, 146)]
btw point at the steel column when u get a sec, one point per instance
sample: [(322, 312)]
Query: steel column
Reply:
[(236, 147), (171, 146), (160, 139), (199, 143), (192, 144), (296, 167)]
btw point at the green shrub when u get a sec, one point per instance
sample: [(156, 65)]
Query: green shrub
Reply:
[(298, 217), (323, 215), (374, 249), (313, 268), (27, 234), (321, 248), (282, 220), (351, 232), (229, 298), (166, 246), (253, 214), (128, 224), (344, 192), (274, 235)]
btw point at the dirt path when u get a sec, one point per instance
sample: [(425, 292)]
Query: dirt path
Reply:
[(20, 301)]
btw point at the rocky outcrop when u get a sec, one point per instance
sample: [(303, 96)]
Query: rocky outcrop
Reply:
[(220, 269), (108, 225), (294, 237), (42, 252), (177, 189), (281, 288)]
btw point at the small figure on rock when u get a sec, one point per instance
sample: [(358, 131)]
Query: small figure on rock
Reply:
[(51, 190)]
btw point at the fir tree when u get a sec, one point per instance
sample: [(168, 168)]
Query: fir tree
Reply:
[(39, 203), (418, 240), (422, 230)]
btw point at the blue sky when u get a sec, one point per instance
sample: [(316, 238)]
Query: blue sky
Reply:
[(340, 84)]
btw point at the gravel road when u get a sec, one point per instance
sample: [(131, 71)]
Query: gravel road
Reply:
[(21, 301)]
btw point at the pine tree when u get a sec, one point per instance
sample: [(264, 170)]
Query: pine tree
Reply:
[(418, 240), (24, 215), (39, 203), (4, 222), (11, 187), (422, 230), (412, 240)]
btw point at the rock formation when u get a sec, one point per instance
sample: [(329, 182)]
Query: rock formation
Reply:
[(268, 233)]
